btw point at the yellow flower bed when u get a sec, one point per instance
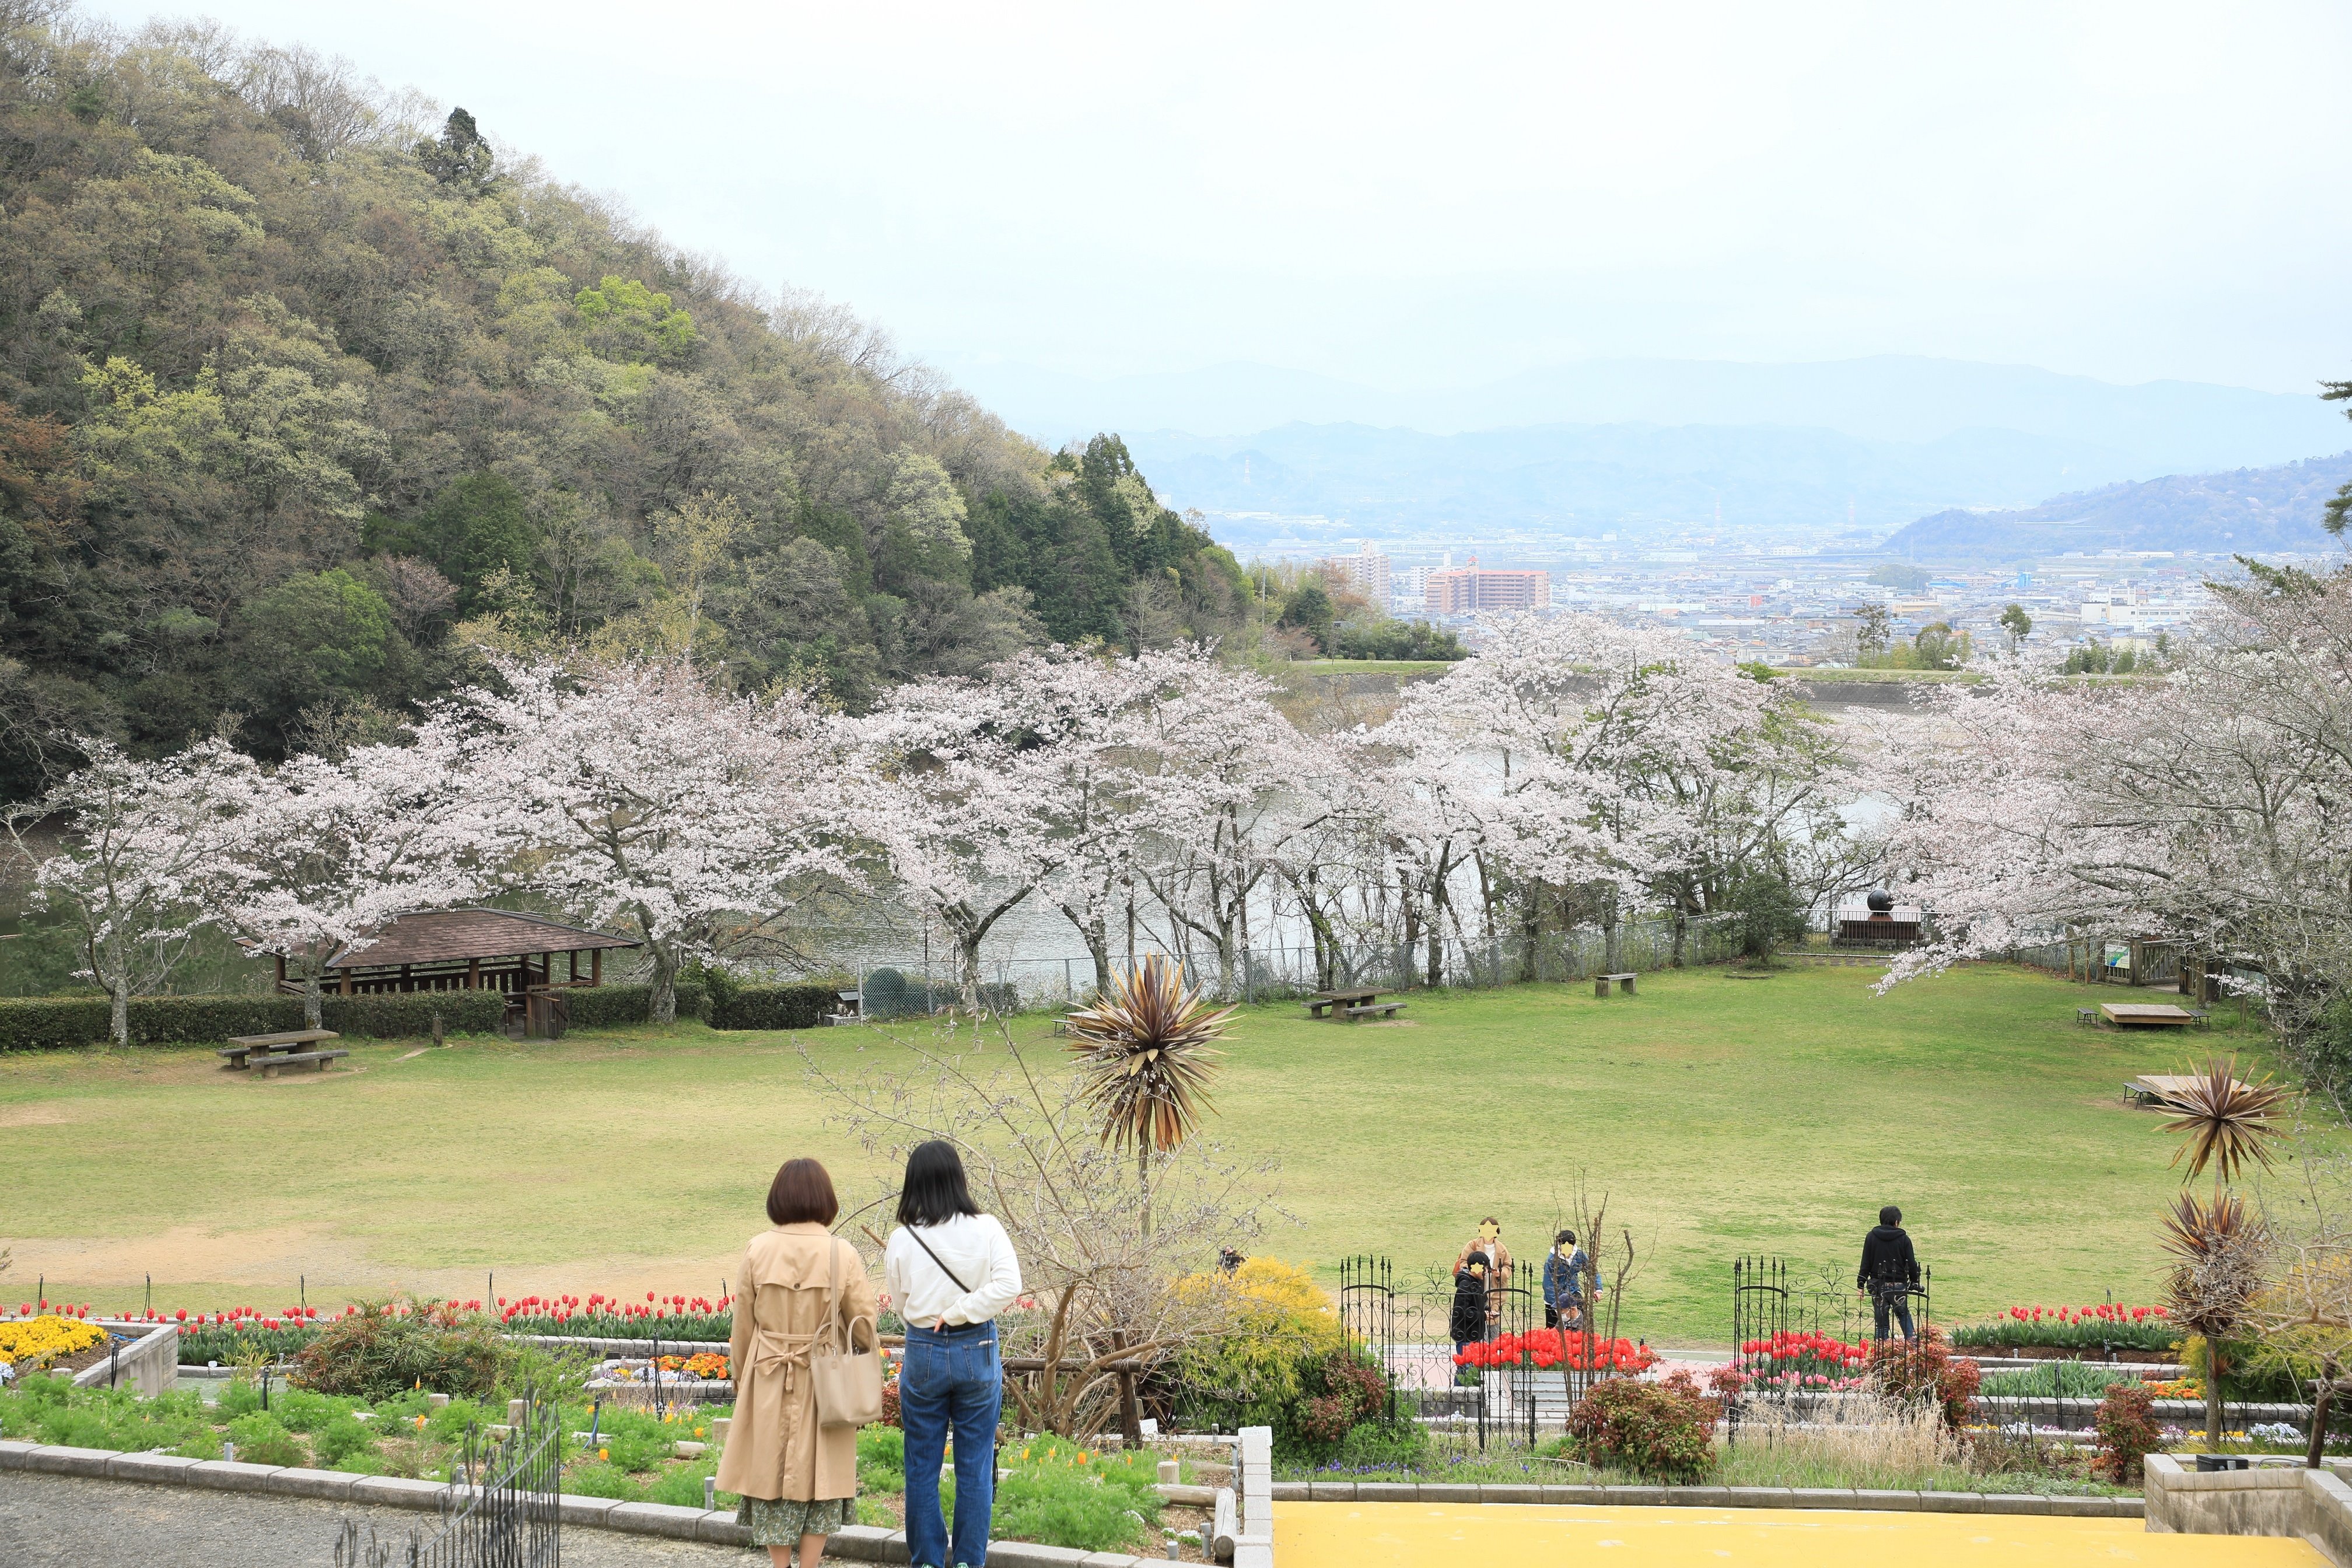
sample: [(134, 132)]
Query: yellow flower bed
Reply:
[(37, 1342)]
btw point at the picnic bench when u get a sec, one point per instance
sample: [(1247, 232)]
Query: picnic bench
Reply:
[(1624, 984), (2160, 1088), (268, 1053), (1361, 1002), (2146, 1015)]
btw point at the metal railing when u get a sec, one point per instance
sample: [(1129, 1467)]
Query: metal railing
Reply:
[(502, 1510)]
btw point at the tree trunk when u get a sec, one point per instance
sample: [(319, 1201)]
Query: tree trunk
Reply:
[(1143, 1182), (2319, 1405), (1682, 930), (662, 1006), (119, 1019), (1610, 952), (313, 989), (2213, 1398)]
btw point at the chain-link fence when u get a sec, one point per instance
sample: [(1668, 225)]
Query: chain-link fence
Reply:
[(1271, 973)]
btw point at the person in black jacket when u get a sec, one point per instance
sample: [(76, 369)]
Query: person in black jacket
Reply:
[(1889, 1270), (1468, 1319)]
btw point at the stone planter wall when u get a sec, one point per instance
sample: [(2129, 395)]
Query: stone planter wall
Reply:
[(149, 1362)]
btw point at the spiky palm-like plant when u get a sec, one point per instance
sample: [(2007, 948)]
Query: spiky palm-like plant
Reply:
[(2219, 1249), (1146, 1058), (2226, 1122)]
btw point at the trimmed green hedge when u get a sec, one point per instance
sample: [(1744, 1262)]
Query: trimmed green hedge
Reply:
[(799, 1006), (47, 1023), (596, 1006)]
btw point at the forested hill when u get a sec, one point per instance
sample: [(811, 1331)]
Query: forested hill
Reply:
[(2247, 512), (305, 394)]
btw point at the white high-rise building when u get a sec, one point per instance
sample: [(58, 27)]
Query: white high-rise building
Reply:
[(1367, 572)]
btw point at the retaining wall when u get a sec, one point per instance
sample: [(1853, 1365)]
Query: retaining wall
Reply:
[(2270, 1499)]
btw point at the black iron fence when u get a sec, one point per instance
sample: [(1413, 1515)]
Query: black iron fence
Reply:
[(502, 1510)]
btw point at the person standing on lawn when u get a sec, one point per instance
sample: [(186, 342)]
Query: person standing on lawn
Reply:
[(951, 1268), (1565, 1266), (1498, 1269), (1889, 1272), (1468, 1319), (800, 1285)]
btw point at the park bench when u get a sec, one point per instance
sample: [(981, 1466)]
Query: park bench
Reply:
[(267, 1065), (1374, 1010), (1624, 984), (269, 1052)]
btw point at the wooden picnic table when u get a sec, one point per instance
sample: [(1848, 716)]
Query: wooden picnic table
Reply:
[(2163, 1088), (2146, 1015), (1359, 1002), (270, 1052)]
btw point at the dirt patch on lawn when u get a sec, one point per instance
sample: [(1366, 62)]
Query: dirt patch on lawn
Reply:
[(33, 1116)]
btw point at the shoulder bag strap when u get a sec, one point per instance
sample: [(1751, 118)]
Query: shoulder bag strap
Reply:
[(935, 1258)]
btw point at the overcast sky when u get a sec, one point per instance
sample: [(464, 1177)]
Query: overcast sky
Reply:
[(1437, 195)]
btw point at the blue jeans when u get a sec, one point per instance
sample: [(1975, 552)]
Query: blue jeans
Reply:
[(1888, 1299), (950, 1380)]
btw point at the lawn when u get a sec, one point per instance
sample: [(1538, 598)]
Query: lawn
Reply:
[(1723, 1114)]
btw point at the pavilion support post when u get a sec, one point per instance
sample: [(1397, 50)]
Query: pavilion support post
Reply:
[(574, 956), (347, 983), (281, 971), (597, 967)]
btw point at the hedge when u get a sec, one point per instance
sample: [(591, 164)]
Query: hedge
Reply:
[(802, 1006), (597, 1006), (38, 1023)]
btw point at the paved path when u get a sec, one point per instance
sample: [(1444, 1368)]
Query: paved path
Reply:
[(1467, 1535), (66, 1521)]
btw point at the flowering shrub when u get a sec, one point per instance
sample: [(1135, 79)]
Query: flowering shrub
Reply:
[(2127, 1432), (1661, 1431), (1806, 1361), (33, 1342), (2104, 1323), (1925, 1371), (1548, 1350), (1281, 1326)]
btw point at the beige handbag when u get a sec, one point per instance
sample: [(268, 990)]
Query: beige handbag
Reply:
[(848, 1381)]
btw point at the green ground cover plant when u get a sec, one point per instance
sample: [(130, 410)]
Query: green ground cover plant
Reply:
[(1771, 1114)]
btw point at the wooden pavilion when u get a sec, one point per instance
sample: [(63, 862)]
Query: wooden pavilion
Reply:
[(472, 950)]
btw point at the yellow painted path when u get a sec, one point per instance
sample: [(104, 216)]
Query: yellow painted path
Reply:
[(1510, 1535)]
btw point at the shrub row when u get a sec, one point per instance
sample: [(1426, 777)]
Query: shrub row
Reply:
[(43, 1023), (799, 1006), (599, 1007)]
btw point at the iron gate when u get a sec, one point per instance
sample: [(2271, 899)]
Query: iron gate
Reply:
[(503, 1509)]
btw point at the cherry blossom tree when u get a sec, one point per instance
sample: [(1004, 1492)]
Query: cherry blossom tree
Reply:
[(2211, 806), (325, 852), (639, 797), (138, 865)]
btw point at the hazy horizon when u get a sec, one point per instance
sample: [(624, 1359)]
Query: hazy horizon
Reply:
[(1412, 201)]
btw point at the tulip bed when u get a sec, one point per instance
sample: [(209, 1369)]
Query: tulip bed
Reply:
[(1804, 1359), (1551, 1350), (2093, 1327)]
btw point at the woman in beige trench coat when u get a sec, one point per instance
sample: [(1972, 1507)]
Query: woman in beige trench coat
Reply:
[(798, 1481)]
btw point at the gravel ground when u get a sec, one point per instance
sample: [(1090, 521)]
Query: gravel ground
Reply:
[(66, 1521)]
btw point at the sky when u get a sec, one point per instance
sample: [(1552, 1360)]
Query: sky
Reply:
[(1439, 196)]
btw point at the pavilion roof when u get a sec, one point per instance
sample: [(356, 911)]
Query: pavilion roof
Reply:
[(441, 936)]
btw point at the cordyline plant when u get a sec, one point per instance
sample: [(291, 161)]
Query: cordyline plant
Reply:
[(2219, 1246), (1146, 1057), (1108, 1292)]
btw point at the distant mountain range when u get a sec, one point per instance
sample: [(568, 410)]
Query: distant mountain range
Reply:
[(2126, 432), (2249, 510), (1639, 480)]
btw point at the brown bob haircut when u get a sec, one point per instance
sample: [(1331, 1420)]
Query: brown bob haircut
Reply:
[(802, 1192)]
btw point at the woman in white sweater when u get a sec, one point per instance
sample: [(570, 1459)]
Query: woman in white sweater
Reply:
[(949, 1271)]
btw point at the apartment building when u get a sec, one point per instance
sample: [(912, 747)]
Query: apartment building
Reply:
[(1367, 572), (1461, 590)]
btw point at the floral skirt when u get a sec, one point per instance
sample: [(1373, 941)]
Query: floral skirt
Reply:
[(781, 1522)]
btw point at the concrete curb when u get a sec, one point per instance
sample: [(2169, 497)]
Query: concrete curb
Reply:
[(1714, 1497), (863, 1544)]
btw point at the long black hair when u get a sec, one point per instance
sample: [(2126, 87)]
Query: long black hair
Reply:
[(934, 1191)]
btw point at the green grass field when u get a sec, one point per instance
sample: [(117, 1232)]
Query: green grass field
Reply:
[(1722, 1114)]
